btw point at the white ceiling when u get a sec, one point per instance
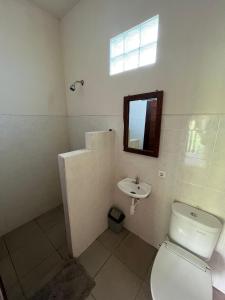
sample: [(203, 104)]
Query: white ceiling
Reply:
[(58, 8)]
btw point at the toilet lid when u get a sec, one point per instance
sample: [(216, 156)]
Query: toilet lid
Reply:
[(177, 274)]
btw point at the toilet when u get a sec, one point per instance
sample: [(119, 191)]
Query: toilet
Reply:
[(180, 270)]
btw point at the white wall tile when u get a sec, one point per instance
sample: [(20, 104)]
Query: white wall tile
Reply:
[(191, 176)]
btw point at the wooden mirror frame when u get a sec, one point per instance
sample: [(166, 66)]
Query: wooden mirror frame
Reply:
[(154, 150)]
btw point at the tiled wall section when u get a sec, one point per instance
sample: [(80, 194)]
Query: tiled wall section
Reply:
[(192, 152), (29, 179)]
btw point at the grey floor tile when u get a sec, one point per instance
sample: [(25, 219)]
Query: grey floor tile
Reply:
[(64, 252), (94, 258), (90, 298), (61, 207), (22, 236), (217, 295), (57, 235), (7, 272), (144, 293), (51, 218), (15, 293), (36, 279), (3, 249), (111, 240), (148, 275), (27, 258), (136, 254), (116, 281)]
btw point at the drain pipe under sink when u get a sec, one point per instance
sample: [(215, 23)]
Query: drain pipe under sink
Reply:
[(133, 206)]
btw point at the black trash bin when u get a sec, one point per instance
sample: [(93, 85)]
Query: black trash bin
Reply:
[(115, 219)]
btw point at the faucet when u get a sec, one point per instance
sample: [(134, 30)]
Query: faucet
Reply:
[(137, 180)]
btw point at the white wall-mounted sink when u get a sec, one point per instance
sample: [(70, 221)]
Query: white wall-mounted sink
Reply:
[(135, 190)]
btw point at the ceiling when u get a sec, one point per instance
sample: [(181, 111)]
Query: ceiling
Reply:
[(58, 8)]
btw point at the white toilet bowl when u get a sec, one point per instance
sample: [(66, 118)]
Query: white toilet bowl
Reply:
[(179, 271), (179, 275)]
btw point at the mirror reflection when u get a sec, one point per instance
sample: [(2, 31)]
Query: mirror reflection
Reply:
[(142, 117)]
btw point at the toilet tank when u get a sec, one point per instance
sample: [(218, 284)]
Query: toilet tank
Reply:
[(194, 229)]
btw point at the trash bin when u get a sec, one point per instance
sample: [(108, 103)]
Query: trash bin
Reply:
[(115, 219)]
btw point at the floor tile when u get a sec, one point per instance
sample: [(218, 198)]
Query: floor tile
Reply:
[(36, 279), (94, 258), (27, 258), (51, 218), (64, 252), (22, 236), (3, 249), (15, 293), (116, 281), (148, 274), (61, 207), (111, 240), (217, 295), (90, 298), (144, 293), (57, 235), (7, 272), (136, 254)]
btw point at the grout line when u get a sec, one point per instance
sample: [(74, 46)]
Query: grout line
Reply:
[(164, 115), (10, 257), (32, 115), (20, 279), (92, 115), (45, 232), (141, 285), (114, 254), (123, 239), (105, 115), (217, 134), (138, 276), (46, 236), (99, 270), (14, 267), (111, 252)]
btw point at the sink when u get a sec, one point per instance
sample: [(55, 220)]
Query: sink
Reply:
[(138, 191)]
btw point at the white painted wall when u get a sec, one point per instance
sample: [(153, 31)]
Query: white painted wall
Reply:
[(190, 65), (33, 127), (31, 72), (190, 69), (86, 180)]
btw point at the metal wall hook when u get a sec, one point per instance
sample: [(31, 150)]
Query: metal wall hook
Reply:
[(73, 85)]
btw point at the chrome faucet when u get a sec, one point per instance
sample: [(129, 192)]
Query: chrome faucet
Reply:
[(137, 180)]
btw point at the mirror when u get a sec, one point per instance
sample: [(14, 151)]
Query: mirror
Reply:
[(142, 123)]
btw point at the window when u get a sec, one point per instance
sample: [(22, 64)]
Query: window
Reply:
[(134, 48)]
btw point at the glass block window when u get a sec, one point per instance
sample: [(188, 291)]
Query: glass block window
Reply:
[(134, 48)]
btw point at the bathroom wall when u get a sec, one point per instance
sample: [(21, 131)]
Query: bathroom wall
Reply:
[(86, 180), (190, 69), (33, 127)]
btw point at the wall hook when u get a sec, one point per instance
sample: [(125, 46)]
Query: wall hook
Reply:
[(73, 85)]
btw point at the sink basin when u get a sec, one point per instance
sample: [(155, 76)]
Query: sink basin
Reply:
[(130, 188)]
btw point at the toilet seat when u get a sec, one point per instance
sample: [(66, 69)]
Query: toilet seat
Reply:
[(179, 275)]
